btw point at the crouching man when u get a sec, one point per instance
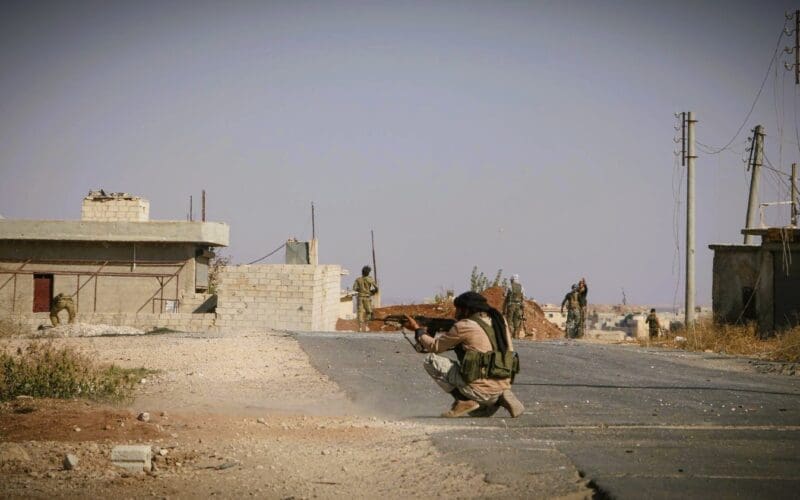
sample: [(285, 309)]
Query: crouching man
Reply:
[(480, 381)]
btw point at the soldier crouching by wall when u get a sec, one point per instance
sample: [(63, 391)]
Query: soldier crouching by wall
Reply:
[(61, 302)]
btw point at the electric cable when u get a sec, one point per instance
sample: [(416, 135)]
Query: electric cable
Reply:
[(758, 94), (268, 255)]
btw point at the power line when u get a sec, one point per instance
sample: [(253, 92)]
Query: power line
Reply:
[(769, 166), (268, 255), (758, 94)]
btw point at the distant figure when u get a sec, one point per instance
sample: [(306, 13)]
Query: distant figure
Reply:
[(61, 302), (365, 287), (572, 301), (514, 307), (653, 324), (583, 289)]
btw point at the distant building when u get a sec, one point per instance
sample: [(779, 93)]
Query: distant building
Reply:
[(113, 260), (553, 314), (122, 268), (759, 284)]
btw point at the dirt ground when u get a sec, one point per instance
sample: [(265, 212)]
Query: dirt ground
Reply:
[(537, 327), (236, 416)]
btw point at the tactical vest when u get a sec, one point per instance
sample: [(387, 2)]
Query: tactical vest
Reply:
[(494, 364), (515, 294)]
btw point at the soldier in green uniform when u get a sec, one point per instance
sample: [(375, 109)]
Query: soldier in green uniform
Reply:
[(61, 302), (583, 290), (514, 308), (365, 287), (572, 301), (652, 323)]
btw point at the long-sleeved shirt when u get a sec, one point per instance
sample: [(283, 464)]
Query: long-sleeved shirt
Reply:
[(469, 334), (365, 286)]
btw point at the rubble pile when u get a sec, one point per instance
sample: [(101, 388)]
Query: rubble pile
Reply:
[(536, 325)]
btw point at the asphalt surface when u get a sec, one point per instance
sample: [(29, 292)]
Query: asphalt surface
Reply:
[(633, 422)]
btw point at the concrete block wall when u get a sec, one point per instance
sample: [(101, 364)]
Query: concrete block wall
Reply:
[(184, 322), (283, 296), (132, 209), (327, 292)]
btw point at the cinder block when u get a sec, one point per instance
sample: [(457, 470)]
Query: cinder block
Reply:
[(135, 458)]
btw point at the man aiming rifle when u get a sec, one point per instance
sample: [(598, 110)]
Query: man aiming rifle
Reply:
[(480, 381)]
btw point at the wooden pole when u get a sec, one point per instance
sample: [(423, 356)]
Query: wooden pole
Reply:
[(374, 262)]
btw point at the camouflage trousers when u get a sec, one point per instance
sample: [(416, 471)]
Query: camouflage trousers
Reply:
[(515, 317), (582, 322), (573, 316), (69, 306), (447, 375), (364, 311)]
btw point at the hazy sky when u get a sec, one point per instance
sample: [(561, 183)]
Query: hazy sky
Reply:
[(536, 137)]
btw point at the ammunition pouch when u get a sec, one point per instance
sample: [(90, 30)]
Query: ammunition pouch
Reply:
[(495, 364)]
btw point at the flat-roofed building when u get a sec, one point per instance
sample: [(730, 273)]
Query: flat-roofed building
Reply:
[(114, 260)]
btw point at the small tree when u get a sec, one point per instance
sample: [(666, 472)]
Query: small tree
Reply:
[(215, 266), (478, 282)]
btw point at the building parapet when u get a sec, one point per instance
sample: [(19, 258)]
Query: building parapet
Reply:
[(205, 233)]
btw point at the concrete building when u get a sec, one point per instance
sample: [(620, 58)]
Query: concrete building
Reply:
[(112, 261), (759, 283), (120, 268)]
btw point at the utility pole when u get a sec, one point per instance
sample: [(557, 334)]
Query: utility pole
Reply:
[(313, 223), (374, 262), (756, 160), (796, 48), (793, 197), (204, 206), (690, 219), (191, 215)]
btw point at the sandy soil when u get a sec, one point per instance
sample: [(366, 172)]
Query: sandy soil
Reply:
[(237, 416)]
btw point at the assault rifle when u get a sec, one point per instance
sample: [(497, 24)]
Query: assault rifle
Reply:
[(431, 325)]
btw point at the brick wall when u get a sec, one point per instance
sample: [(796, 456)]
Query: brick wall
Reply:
[(284, 297), (132, 209)]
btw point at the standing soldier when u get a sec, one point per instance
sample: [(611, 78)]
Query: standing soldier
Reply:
[(572, 301), (582, 291), (652, 323), (365, 287), (514, 307)]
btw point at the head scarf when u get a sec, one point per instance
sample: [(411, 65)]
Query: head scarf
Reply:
[(474, 301)]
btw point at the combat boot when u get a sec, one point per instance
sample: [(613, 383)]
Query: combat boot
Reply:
[(485, 411), (510, 402), (461, 408)]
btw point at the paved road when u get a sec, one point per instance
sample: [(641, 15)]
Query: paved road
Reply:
[(637, 423)]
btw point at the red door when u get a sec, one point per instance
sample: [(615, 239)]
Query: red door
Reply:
[(42, 292)]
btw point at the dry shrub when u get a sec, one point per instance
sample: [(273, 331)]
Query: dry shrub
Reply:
[(741, 340), (788, 346), (43, 370), (10, 327)]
